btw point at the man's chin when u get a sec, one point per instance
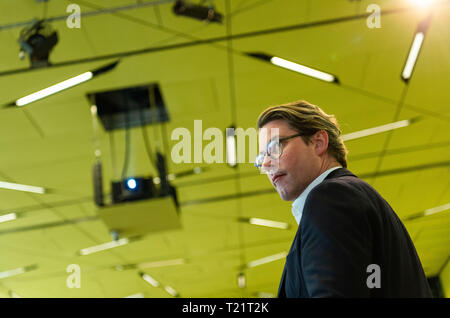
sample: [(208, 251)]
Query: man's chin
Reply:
[(285, 196)]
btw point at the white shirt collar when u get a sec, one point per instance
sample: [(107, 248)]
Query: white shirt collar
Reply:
[(299, 203)]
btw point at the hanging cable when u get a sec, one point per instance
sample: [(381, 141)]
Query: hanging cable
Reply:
[(113, 154), (127, 144), (147, 144), (45, 10), (164, 137)]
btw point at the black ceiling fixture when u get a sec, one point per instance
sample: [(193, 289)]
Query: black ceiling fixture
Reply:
[(197, 11), (130, 106), (37, 41)]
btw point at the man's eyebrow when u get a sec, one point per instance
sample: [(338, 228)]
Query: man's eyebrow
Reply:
[(274, 138)]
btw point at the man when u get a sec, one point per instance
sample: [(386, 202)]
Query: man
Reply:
[(349, 243)]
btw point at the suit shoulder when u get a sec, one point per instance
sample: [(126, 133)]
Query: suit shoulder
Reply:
[(335, 209), (345, 196), (343, 186)]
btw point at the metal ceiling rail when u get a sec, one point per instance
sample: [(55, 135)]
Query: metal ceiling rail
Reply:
[(89, 14)]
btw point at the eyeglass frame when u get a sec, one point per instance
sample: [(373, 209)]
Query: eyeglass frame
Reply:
[(265, 153)]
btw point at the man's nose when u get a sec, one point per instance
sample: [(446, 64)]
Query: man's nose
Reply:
[(267, 162), (267, 165)]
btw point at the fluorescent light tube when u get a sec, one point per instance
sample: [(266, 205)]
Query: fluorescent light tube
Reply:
[(231, 150), (265, 295), (86, 76), (376, 130), (55, 88), (138, 295), (428, 212), (437, 209), (94, 109), (268, 223), (172, 262), (197, 170), (241, 280), (105, 246), (21, 187), (171, 291), (266, 260), (13, 294), (12, 272), (17, 271), (302, 69), (150, 280), (412, 57), (8, 217)]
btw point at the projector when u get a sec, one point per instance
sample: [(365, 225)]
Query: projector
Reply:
[(140, 217), (139, 205), (133, 189), (139, 208)]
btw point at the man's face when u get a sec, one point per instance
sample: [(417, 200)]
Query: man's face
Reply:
[(298, 165)]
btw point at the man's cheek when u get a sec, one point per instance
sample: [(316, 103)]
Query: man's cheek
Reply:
[(276, 164)]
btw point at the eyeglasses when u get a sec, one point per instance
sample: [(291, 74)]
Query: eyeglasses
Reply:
[(274, 150)]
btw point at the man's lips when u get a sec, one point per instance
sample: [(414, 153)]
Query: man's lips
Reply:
[(277, 176)]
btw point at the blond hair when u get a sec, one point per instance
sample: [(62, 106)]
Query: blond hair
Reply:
[(307, 119)]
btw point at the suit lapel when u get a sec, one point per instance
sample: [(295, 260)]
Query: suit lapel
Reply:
[(281, 288)]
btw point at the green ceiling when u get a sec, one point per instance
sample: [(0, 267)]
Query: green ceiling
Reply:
[(49, 143)]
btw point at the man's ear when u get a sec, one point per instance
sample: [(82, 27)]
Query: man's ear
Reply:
[(320, 142)]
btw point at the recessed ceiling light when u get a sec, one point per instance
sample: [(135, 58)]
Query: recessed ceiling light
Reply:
[(171, 262), (415, 48), (138, 295), (17, 271), (102, 247), (21, 187), (428, 212), (437, 209), (412, 56), (265, 222), (150, 280), (241, 280), (231, 147), (71, 82), (299, 68), (8, 217), (171, 291), (266, 260), (378, 129)]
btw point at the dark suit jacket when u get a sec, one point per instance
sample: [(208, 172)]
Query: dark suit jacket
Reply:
[(346, 226)]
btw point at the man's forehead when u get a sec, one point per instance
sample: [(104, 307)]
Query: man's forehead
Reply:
[(279, 124), (268, 133), (276, 127)]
